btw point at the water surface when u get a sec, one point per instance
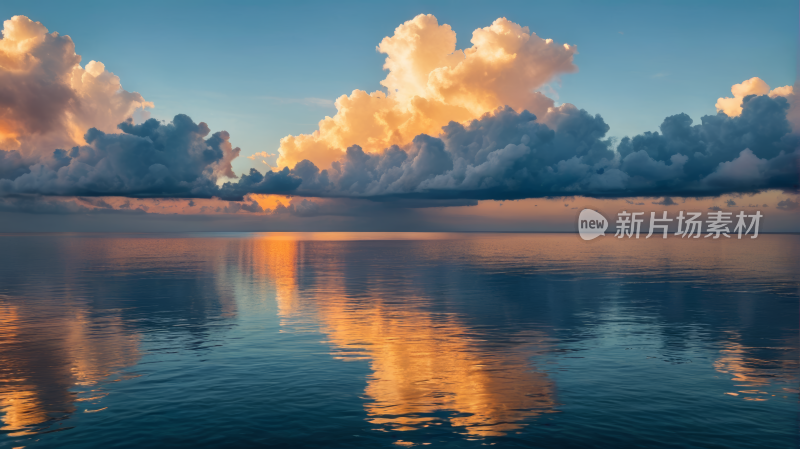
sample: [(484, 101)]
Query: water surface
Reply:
[(399, 339)]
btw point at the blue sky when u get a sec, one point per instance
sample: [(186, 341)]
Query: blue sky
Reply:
[(240, 67)]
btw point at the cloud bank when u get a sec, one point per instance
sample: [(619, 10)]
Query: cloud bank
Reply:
[(510, 155), (150, 160), (453, 127)]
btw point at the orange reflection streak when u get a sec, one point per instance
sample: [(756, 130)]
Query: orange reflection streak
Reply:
[(421, 362), (275, 260), (282, 260), (94, 359), (43, 356), (21, 405), (748, 370)]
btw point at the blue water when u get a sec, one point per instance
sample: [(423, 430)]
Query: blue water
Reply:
[(397, 340)]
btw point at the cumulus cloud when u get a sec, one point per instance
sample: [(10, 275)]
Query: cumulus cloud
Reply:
[(234, 207), (788, 204), (453, 127), (153, 159), (503, 155), (47, 100), (430, 83), (666, 201), (305, 207), (507, 155), (754, 86), (302, 208), (262, 155)]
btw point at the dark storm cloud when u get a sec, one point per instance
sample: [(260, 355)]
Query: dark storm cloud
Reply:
[(788, 204), (303, 207), (271, 182), (667, 201), (234, 207), (508, 155), (148, 160), (12, 165), (35, 204), (504, 155)]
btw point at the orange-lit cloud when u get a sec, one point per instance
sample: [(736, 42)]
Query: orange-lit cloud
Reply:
[(262, 157), (430, 83), (754, 86), (47, 100), (503, 154)]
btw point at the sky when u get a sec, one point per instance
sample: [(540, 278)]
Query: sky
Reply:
[(264, 71)]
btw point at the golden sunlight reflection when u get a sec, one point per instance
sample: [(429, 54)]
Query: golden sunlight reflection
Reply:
[(48, 362), (21, 405), (426, 365), (457, 334), (751, 373), (422, 362), (277, 260), (354, 236)]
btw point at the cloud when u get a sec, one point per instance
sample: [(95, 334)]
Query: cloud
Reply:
[(454, 127), (234, 207), (787, 204), (754, 86), (508, 155), (148, 160), (730, 203), (430, 83), (305, 207), (262, 154), (503, 155), (667, 201), (34, 204), (283, 181), (302, 208), (47, 100), (715, 208), (261, 157), (96, 202)]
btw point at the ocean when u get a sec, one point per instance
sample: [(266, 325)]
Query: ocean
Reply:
[(367, 340)]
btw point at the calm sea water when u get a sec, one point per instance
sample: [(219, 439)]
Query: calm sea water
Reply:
[(393, 340)]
